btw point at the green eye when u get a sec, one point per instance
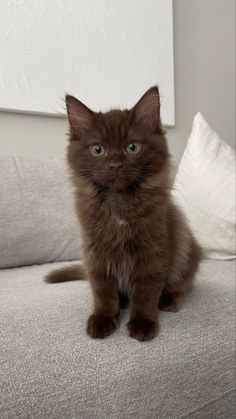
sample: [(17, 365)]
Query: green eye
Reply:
[(133, 148), (97, 150)]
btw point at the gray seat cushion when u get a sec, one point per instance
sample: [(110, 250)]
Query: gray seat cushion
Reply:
[(51, 369)]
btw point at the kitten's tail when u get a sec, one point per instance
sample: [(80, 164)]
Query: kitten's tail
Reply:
[(67, 273)]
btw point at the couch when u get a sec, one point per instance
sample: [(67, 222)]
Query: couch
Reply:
[(50, 368)]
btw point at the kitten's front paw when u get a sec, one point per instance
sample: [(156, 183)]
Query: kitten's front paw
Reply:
[(142, 329), (98, 326)]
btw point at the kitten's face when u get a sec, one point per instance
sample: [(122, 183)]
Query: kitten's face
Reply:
[(117, 149)]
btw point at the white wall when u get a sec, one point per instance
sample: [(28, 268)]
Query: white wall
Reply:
[(204, 44), (104, 51)]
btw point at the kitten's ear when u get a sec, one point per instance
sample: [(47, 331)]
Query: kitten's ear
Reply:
[(147, 110), (80, 117)]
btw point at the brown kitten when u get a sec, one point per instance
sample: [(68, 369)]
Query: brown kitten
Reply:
[(136, 241)]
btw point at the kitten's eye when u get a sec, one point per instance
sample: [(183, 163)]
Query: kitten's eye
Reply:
[(133, 148), (97, 150)]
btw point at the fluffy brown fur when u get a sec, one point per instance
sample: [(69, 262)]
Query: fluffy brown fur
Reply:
[(137, 243)]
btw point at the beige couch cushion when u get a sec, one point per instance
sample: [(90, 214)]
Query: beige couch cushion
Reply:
[(50, 368), (37, 218)]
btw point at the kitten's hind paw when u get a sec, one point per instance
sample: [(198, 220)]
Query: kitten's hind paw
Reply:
[(170, 302)]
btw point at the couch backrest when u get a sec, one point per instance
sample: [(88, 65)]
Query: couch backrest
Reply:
[(37, 217)]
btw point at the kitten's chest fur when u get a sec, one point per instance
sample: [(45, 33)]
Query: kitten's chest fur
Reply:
[(121, 269), (114, 220), (120, 258), (111, 229), (118, 221), (122, 232)]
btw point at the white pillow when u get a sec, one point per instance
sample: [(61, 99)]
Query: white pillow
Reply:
[(205, 188)]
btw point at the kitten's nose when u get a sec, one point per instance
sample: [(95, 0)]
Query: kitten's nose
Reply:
[(116, 166)]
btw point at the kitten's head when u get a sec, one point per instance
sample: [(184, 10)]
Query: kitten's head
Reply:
[(118, 149)]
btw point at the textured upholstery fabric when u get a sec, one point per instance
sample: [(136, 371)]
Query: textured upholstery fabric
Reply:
[(49, 368), (205, 188), (37, 218)]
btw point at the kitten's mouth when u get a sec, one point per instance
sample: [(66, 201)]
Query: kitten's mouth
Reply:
[(118, 184), (114, 181), (118, 181), (114, 176)]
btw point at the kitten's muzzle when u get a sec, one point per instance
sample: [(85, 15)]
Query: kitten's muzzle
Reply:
[(115, 169)]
